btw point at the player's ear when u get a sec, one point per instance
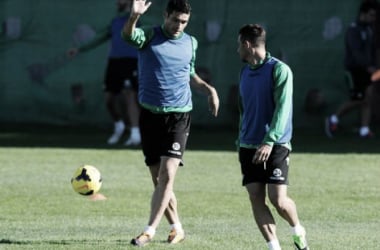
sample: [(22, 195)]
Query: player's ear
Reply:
[(247, 44)]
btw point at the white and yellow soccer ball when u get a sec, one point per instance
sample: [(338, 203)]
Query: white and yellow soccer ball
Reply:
[(86, 180)]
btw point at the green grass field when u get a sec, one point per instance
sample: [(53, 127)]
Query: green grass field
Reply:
[(334, 183)]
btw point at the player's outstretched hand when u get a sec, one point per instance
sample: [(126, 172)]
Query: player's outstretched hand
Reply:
[(139, 7)]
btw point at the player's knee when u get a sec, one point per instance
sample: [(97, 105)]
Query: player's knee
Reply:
[(279, 202)]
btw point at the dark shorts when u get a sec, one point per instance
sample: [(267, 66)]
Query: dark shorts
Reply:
[(163, 135), (121, 73), (275, 171), (361, 79)]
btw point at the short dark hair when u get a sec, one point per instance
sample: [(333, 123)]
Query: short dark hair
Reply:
[(253, 33), (365, 7), (181, 6)]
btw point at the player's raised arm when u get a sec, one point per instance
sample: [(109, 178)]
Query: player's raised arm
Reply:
[(139, 7)]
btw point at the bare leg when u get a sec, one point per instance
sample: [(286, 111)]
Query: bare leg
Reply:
[(132, 107), (111, 105), (119, 125), (132, 115), (366, 107), (261, 212), (163, 192), (285, 206), (347, 107), (171, 213)]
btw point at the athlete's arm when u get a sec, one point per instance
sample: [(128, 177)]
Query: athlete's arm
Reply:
[(101, 37), (199, 84), (139, 7), (130, 33), (283, 95), (204, 87)]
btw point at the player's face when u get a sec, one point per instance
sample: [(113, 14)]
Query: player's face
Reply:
[(175, 23)]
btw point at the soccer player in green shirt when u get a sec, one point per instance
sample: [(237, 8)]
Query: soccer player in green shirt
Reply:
[(265, 96)]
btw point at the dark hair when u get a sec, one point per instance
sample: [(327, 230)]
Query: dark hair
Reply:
[(253, 33), (181, 6), (365, 7)]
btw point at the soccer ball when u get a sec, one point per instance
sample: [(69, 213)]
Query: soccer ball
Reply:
[(86, 180)]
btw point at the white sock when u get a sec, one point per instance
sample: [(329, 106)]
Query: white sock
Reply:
[(334, 119), (150, 230), (135, 131), (364, 130), (176, 226), (274, 245), (119, 124), (298, 230)]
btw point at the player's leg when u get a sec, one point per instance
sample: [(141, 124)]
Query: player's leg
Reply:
[(284, 205), (111, 101), (112, 87), (163, 176), (331, 123), (278, 166), (133, 114), (286, 208), (171, 213), (128, 74), (163, 152), (164, 191), (254, 178), (355, 101), (366, 113), (346, 107), (364, 88), (262, 214)]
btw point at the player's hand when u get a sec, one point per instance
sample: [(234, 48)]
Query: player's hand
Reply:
[(139, 7), (375, 77), (213, 102), (262, 154)]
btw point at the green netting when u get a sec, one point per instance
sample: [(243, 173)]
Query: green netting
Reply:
[(39, 84)]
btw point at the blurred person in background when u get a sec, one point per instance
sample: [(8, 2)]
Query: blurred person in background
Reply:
[(120, 81), (360, 64)]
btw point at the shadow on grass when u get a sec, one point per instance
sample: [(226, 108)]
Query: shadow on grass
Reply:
[(57, 242), (201, 138)]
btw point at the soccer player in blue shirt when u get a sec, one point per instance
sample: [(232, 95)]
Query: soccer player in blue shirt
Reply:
[(265, 98), (120, 77), (166, 70)]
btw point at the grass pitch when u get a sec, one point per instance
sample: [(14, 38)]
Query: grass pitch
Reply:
[(335, 187)]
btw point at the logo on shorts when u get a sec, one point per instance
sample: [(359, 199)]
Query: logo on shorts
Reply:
[(176, 146), (277, 175), (175, 149), (277, 172)]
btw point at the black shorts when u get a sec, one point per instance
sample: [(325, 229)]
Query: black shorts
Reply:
[(361, 79), (163, 135), (121, 73), (274, 171)]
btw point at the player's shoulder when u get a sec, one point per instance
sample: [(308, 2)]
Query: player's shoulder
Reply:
[(280, 67), (278, 62), (193, 40)]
